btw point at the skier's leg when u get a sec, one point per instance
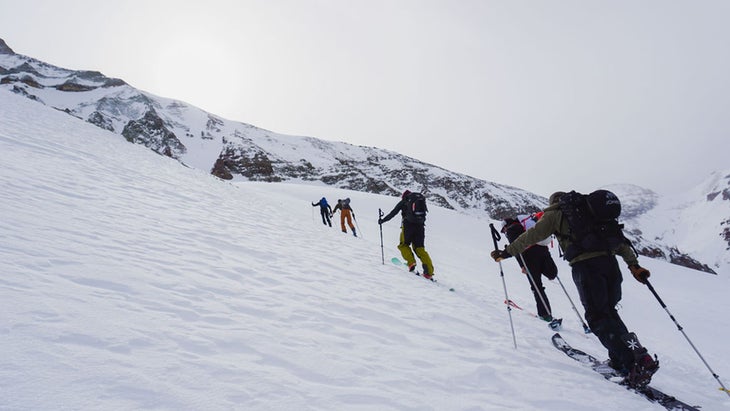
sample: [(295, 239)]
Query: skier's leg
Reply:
[(419, 236), (598, 281), (405, 249)]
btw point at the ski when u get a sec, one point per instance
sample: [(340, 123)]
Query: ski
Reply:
[(555, 324), (650, 393), (398, 262)]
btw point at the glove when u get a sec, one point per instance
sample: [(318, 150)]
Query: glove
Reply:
[(640, 273), (500, 255), (380, 221)]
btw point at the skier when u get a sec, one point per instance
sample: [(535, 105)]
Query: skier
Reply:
[(535, 262), (346, 215), (413, 231), (325, 210), (598, 278)]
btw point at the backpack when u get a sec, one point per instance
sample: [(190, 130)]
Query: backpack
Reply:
[(529, 221), (415, 208), (513, 227), (593, 222)]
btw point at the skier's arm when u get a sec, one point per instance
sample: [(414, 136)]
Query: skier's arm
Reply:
[(393, 212), (627, 253)]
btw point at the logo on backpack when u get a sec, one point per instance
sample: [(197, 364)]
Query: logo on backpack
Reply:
[(593, 222), (415, 210)]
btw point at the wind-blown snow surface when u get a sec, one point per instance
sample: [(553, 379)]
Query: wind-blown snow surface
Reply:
[(131, 282)]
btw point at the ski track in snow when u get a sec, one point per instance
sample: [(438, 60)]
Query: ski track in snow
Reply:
[(131, 282)]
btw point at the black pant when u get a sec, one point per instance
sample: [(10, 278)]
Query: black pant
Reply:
[(414, 234), (539, 262), (325, 217), (599, 285)]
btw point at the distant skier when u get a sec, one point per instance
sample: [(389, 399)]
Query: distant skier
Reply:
[(325, 210), (412, 207), (346, 215)]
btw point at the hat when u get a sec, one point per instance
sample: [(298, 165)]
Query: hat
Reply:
[(555, 197), (405, 193), (508, 222)]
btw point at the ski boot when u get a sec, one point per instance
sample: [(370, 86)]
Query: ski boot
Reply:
[(644, 367)]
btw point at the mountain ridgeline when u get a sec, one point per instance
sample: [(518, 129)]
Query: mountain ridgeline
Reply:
[(242, 152)]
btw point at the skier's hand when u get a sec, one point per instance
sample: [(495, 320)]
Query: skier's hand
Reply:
[(524, 270), (640, 273), (500, 255)]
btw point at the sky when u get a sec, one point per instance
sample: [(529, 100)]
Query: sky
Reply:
[(131, 282), (545, 96)]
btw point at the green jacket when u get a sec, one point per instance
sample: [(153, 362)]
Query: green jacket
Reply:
[(552, 222)]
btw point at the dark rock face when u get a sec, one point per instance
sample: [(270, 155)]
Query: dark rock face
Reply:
[(73, 86), (220, 170), (98, 119), (679, 258), (4, 48), (151, 132)]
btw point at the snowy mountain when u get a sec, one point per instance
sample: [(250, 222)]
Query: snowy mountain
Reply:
[(241, 152), (692, 230), (132, 282)]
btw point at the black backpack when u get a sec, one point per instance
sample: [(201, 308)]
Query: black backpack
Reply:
[(415, 208), (512, 229), (593, 222)]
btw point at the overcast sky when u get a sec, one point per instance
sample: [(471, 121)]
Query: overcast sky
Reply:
[(543, 95)]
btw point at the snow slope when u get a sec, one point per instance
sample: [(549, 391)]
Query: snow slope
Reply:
[(129, 281)]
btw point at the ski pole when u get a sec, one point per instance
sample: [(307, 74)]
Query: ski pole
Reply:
[(357, 225), (679, 327), (382, 252), (495, 238), (586, 329), (534, 286), (553, 323)]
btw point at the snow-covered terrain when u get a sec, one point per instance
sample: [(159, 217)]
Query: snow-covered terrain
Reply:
[(129, 281), (695, 223), (693, 231)]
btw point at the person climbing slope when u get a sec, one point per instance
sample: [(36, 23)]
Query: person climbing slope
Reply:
[(412, 207), (325, 210), (590, 236), (346, 215), (535, 261)]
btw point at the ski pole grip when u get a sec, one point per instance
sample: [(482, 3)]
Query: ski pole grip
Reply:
[(495, 236)]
